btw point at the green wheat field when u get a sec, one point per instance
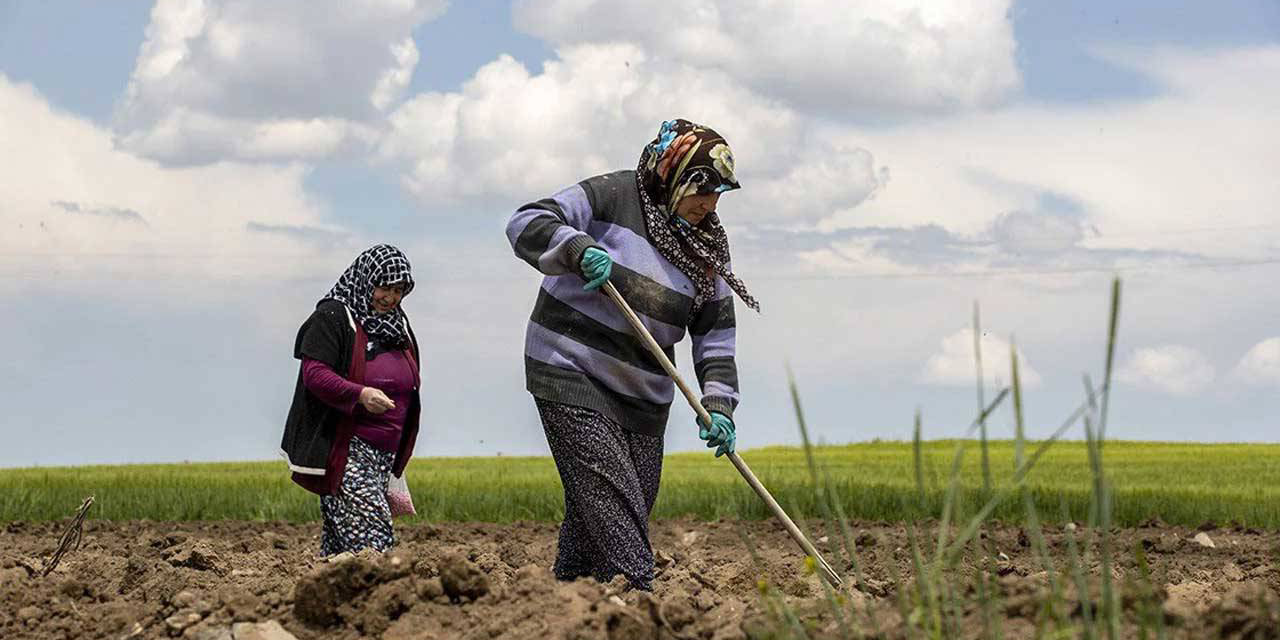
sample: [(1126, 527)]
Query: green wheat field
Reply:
[(1180, 483)]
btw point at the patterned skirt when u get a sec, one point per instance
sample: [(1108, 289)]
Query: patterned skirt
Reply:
[(358, 516), (610, 477)]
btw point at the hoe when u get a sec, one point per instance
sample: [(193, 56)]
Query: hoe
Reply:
[(827, 572)]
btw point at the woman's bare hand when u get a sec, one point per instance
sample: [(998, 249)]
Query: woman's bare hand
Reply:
[(375, 401)]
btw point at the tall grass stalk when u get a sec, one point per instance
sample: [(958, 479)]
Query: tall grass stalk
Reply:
[(1076, 562), (1112, 329), (982, 422), (1046, 563), (953, 481)]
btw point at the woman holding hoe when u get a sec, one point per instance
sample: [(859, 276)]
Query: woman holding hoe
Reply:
[(354, 417), (603, 399)]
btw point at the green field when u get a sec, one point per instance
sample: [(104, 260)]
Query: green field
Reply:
[(1179, 483)]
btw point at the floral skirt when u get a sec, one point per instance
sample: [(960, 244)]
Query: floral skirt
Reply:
[(358, 516), (610, 478)]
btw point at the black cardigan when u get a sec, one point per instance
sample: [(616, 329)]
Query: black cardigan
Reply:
[(317, 436)]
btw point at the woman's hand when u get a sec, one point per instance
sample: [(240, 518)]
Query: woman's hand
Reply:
[(720, 434), (596, 268), (375, 401)]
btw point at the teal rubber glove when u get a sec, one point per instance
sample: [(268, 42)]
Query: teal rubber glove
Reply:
[(596, 268), (720, 434)]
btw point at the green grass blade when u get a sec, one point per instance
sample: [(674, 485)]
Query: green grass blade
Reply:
[(1112, 330), (982, 424)]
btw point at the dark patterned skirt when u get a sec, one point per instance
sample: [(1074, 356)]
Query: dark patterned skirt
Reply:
[(610, 477), (358, 516)]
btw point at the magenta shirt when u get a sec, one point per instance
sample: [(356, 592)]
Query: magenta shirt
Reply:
[(389, 372)]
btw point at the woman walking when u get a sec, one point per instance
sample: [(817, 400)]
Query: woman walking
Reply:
[(603, 399), (354, 417)]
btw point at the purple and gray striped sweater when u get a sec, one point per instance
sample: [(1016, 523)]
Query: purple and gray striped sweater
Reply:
[(579, 349)]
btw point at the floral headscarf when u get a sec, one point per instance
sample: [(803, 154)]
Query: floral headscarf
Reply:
[(687, 159), (378, 266)]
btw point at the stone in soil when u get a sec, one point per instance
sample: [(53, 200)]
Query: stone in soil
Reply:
[(181, 620), (1204, 540), (208, 633), (270, 630)]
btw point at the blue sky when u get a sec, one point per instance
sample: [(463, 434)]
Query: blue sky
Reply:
[(1018, 154)]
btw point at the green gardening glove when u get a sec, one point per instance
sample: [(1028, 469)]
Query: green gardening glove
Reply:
[(720, 434), (596, 268)]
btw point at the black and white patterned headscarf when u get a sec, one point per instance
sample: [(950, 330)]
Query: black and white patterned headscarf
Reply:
[(379, 266), (687, 159)]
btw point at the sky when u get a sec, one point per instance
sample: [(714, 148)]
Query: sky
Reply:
[(184, 180)]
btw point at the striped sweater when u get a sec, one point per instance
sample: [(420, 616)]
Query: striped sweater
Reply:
[(579, 349)]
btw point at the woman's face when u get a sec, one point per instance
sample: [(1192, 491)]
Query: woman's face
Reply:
[(386, 299), (696, 207)]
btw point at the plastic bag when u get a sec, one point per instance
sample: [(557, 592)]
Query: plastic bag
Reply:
[(399, 498)]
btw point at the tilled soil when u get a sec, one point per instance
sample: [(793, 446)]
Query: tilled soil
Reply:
[(239, 580)]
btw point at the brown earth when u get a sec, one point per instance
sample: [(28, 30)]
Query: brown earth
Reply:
[(237, 580)]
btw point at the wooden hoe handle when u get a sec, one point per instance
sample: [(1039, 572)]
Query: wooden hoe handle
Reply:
[(825, 569)]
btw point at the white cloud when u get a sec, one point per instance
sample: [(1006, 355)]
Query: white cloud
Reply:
[(1261, 364), (954, 364), (235, 79), (823, 54), (193, 137), (77, 209), (1173, 369), (394, 80), (1187, 171), (1027, 232), (511, 135)]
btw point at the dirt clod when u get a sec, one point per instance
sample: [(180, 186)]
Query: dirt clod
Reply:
[(1186, 601), (1232, 572), (318, 595), (621, 623), (195, 555), (461, 578), (663, 559), (1246, 612), (430, 589)]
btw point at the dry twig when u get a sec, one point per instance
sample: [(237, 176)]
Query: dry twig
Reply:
[(70, 540)]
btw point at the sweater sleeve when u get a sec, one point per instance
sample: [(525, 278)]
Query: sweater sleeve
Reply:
[(551, 234), (714, 335), (332, 389)]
